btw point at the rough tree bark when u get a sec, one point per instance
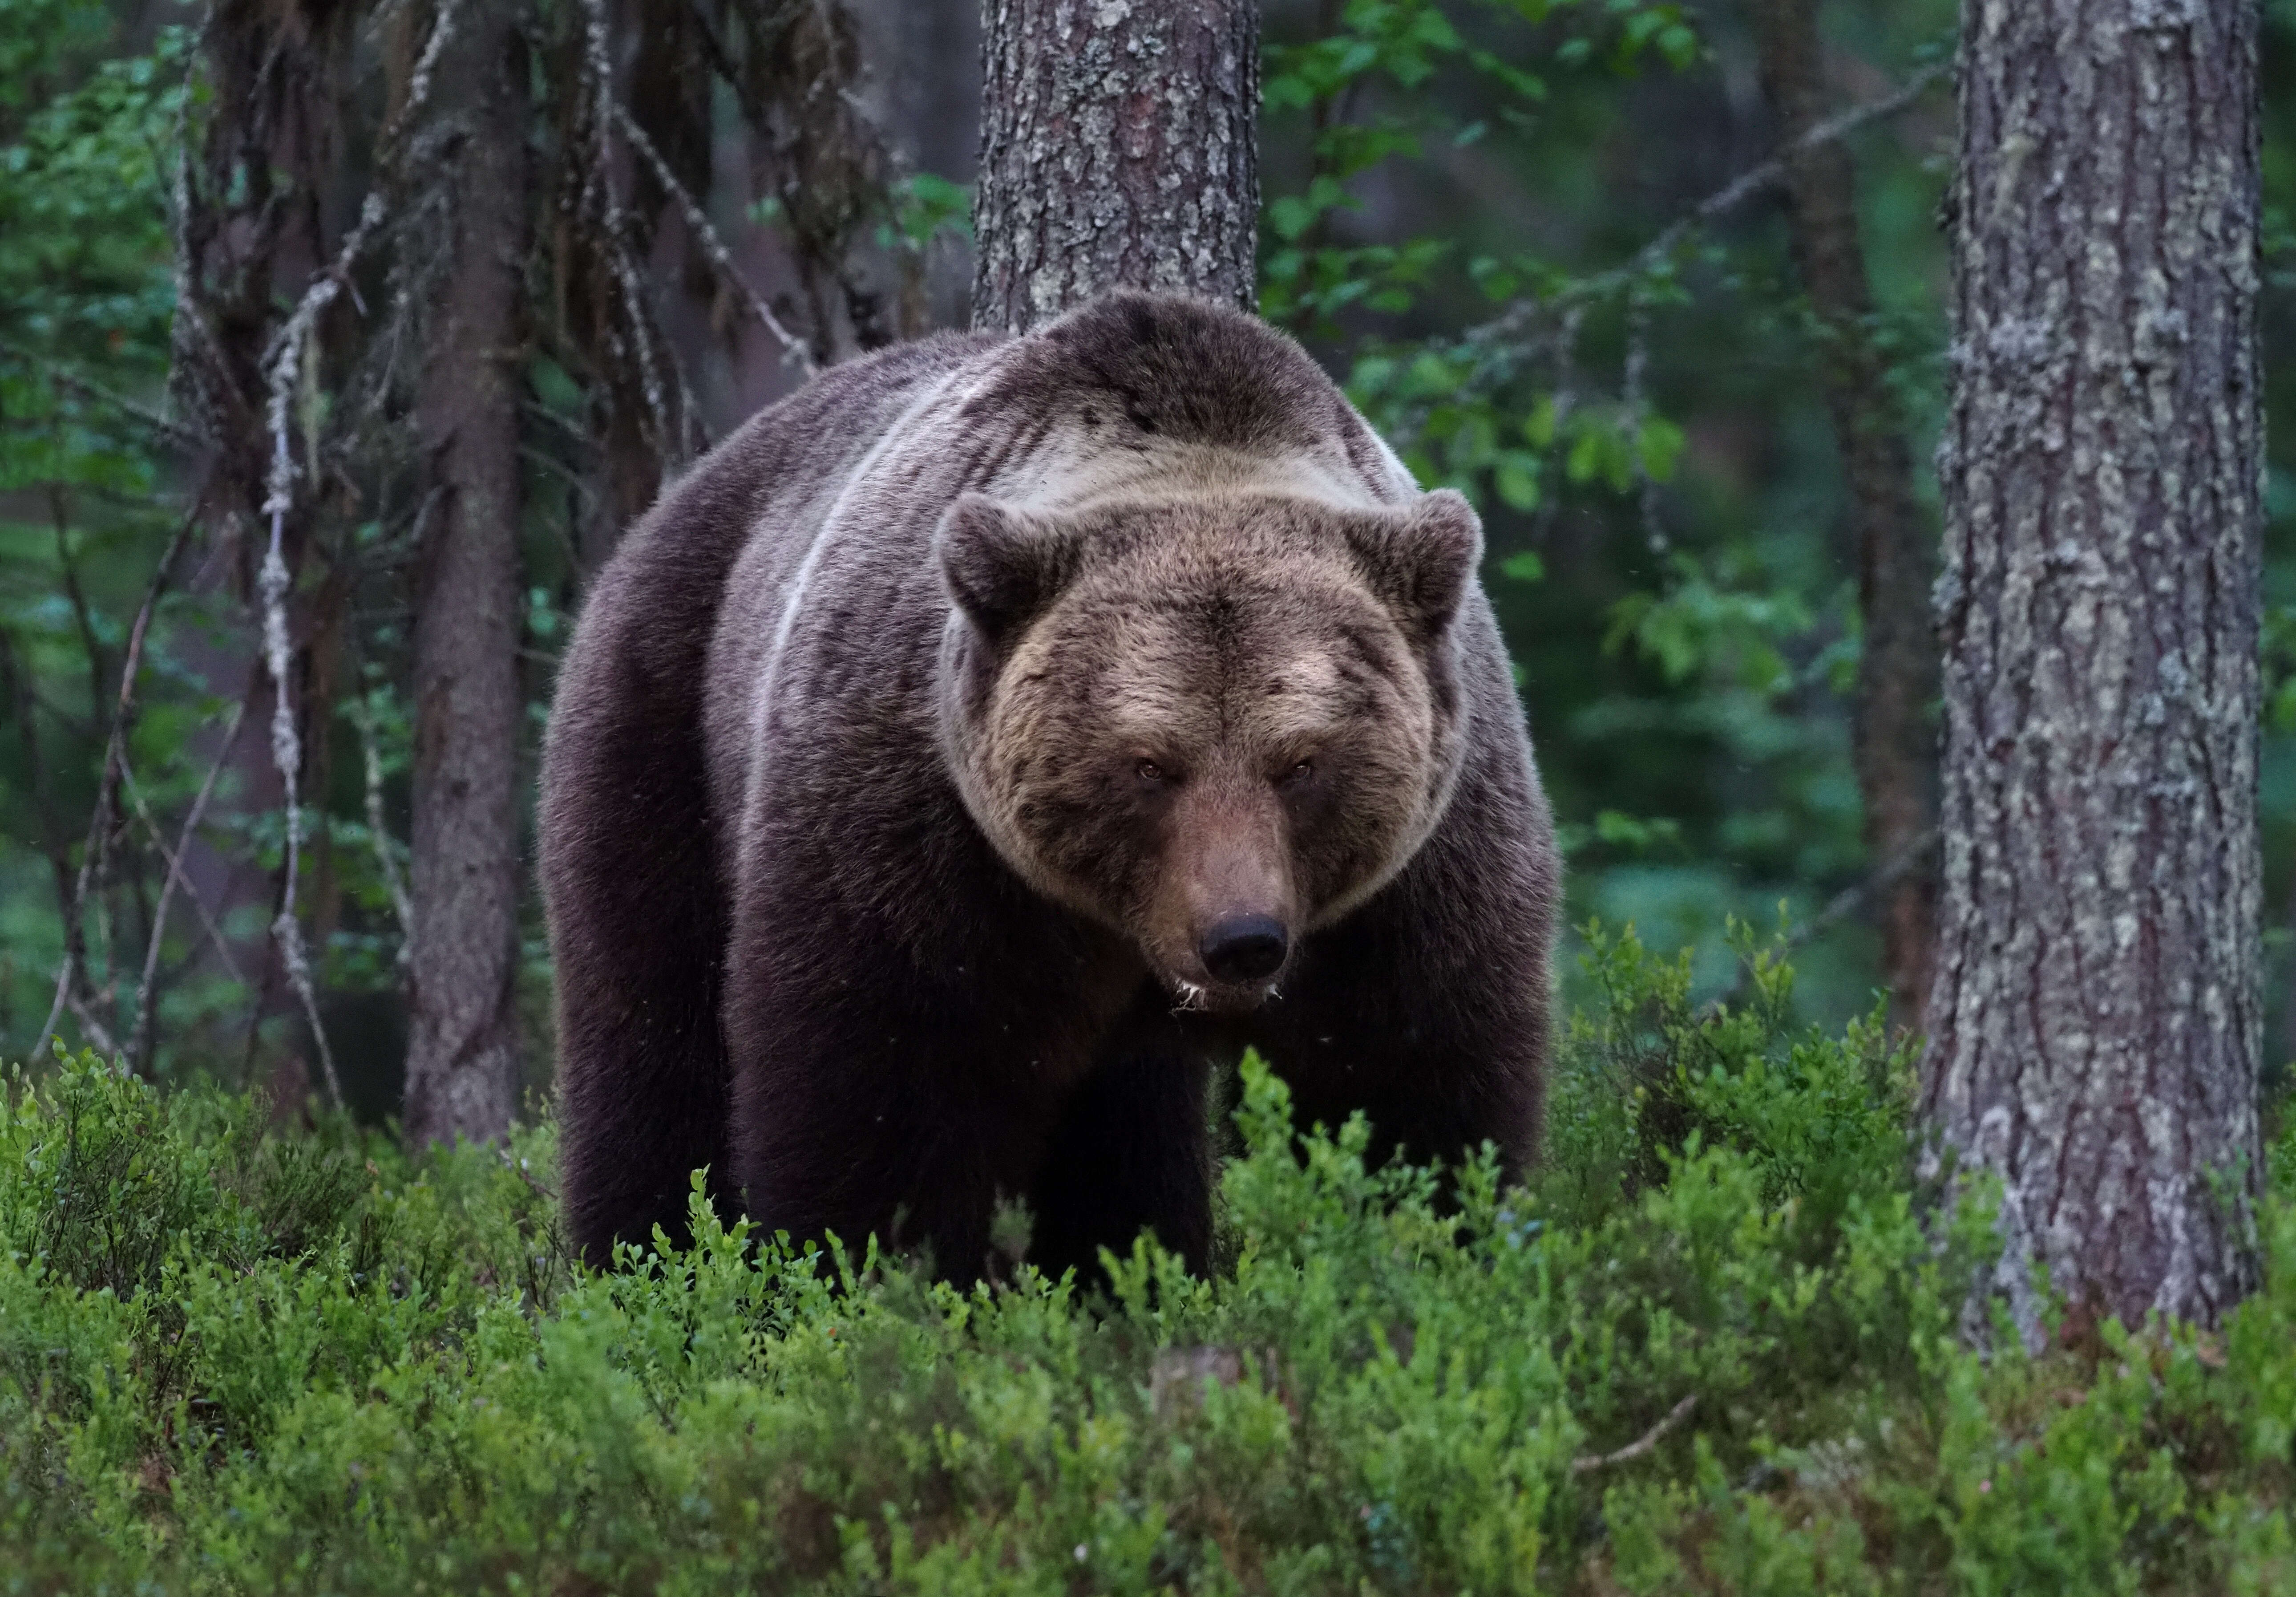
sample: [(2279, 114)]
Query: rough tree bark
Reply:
[(462, 1066), (1117, 149), (1896, 744), (2093, 1021)]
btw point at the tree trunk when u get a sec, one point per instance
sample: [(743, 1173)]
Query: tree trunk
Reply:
[(2094, 1021), (462, 1066), (1118, 148), (1898, 672)]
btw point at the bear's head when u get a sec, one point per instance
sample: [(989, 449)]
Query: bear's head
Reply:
[(1213, 725)]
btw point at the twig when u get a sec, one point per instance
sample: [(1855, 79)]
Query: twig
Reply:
[(287, 749), (147, 989), (793, 349), (284, 371), (378, 834), (97, 1033), (517, 1167), (1511, 325), (1838, 908), (171, 432), (1642, 1447), (83, 616), (168, 856), (418, 82), (721, 62), (604, 211), (25, 702), (107, 798), (1635, 396)]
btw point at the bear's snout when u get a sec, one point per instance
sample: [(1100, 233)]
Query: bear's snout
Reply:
[(1244, 947)]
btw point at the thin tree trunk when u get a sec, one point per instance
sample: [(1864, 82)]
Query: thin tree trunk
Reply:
[(462, 1066), (1897, 672), (2094, 1022), (1118, 148)]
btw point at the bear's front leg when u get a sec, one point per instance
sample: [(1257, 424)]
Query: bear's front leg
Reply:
[(908, 1143), (1427, 1010), (1130, 1152)]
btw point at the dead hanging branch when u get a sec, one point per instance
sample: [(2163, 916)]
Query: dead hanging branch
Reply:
[(1634, 395), (285, 368), (105, 819), (834, 170), (165, 428), (1850, 901), (1642, 1447), (607, 222), (287, 758), (402, 905), (1496, 346), (139, 1051), (697, 220), (273, 582)]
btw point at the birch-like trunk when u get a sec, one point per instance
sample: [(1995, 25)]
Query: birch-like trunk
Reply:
[(462, 1064), (2094, 1020), (1118, 148), (1896, 742)]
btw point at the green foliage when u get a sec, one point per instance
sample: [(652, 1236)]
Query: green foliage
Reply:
[(238, 1357), (926, 206)]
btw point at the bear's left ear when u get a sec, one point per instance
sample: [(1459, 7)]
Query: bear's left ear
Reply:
[(1002, 565), (1421, 560)]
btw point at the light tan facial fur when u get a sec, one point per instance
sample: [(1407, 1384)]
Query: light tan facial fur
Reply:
[(1208, 717)]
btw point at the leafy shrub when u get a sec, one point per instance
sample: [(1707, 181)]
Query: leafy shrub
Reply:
[(1712, 1345)]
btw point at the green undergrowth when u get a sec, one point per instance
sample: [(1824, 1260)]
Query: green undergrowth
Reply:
[(1715, 1346)]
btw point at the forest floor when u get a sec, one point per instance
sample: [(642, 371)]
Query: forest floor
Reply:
[(1722, 1342)]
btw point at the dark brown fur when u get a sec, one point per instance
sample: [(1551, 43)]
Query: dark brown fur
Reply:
[(889, 898)]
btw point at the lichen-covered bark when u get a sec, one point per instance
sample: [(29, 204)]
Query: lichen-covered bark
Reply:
[(1896, 741), (2094, 1020), (1117, 150), (461, 1063)]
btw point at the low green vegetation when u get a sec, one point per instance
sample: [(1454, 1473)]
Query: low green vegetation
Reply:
[(1718, 1345)]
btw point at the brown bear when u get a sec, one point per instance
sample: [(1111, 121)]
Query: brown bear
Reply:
[(979, 748)]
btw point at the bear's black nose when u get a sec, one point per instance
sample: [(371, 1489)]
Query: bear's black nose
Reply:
[(1244, 947)]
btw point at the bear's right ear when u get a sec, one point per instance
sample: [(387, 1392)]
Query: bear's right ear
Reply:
[(1422, 560), (1002, 565)]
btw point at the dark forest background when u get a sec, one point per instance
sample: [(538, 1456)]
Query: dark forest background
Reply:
[(1517, 231)]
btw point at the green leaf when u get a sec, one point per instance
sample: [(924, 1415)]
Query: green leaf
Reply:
[(1516, 478), (1661, 447)]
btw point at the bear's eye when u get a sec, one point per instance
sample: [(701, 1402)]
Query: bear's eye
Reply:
[(1150, 771), (1298, 774)]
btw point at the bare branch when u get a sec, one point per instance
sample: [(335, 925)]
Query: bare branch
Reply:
[(1512, 327), (107, 798), (287, 749), (283, 375), (793, 349), (599, 199), (1635, 396), (95, 1030), (25, 702), (1642, 1447), (1840, 908), (139, 1053), (168, 431), (378, 834)]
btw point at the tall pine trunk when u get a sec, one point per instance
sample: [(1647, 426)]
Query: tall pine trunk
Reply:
[(462, 1066), (1898, 671), (1118, 148), (2094, 1020)]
